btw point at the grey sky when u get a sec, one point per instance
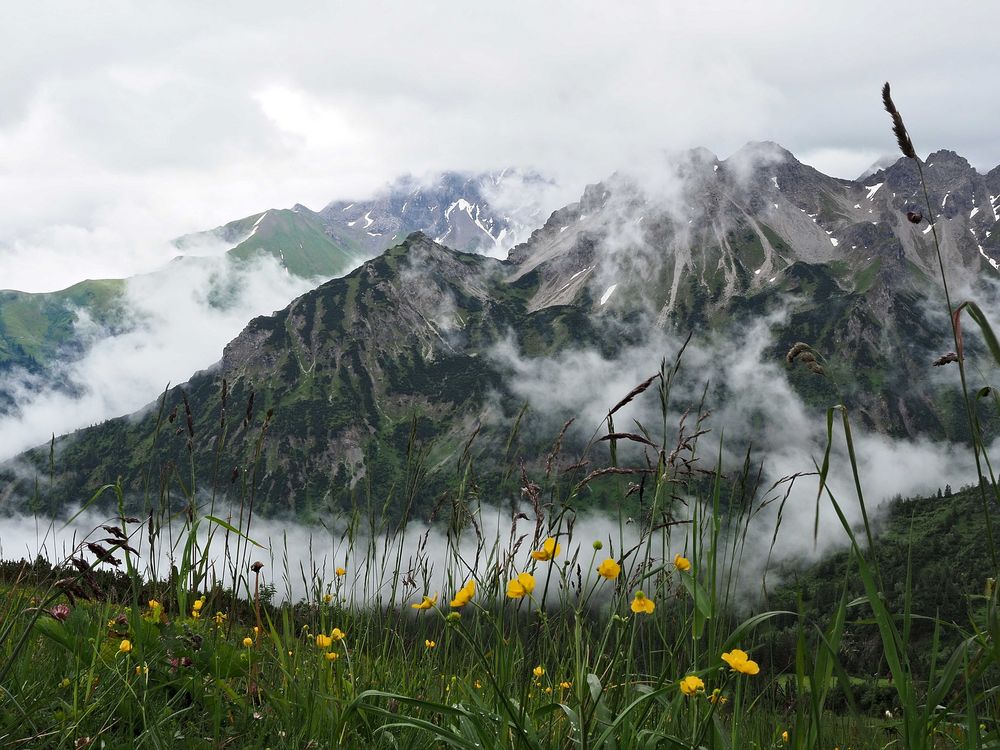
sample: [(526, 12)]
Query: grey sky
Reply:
[(125, 124)]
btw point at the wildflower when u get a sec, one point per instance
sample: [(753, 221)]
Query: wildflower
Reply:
[(256, 630), (550, 549), (609, 569), (464, 594), (338, 634), (741, 662), (248, 641), (427, 603), (327, 598), (692, 684), (565, 684), (521, 586), (154, 605), (642, 604), (538, 671), (220, 617), (195, 614), (331, 656), (340, 572), (125, 646), (718, 697), (598, 545), (478, 685), (682, 563), (144, 669), (453, 617), (548, 691), (60, 612), (198, 604), (65, 683), (784, 736), (323, 641), (429, 644)]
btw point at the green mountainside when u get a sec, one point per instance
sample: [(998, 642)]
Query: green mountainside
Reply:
[(37, 329), (401, 352)]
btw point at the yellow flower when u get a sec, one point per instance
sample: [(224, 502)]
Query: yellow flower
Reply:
[(538, 671), (478, 685), (692, 684), (195, 614), (609, 569), (141, 670), (323, 641), (784, 736), (642, 604), (220, 617), (521, 586), (565, 684), (338, 634), (153, 604), (256, 630), (741, 662), (550, 549), (429, 644), (327, 598), (125, 646), (340, 572), (548, 691), (198, 604), (331, 655), (427, 603), (248, 641), (682, 563), (65, 682), (717, 697), (464, 594)]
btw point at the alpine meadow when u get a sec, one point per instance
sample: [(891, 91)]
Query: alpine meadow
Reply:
[(700, 458)]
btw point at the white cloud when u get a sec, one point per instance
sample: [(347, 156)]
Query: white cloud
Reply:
[(177, 326), (190, 115)]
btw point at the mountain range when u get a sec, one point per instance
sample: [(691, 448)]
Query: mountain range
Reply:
[(325, 399), (41, 333)]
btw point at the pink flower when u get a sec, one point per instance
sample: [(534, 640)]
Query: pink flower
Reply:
[(60, 612)]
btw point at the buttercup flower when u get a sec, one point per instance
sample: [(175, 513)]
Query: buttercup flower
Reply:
[(331, 656), (784, 736), (429, 644), (323, 641), (741, 662), (642, 604), (427, 603), (692, 684), (340, 572), (125, 646), (521, 586), (718, 697), (248, 641), (682, 563), (327, 598), (609, 569), (550, 548), (565, 684), (538, 671), (338, 634), (198, 604), (464, 594), (219, 617)]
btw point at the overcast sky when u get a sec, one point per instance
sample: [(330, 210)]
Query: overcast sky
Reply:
[(124, 124)]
